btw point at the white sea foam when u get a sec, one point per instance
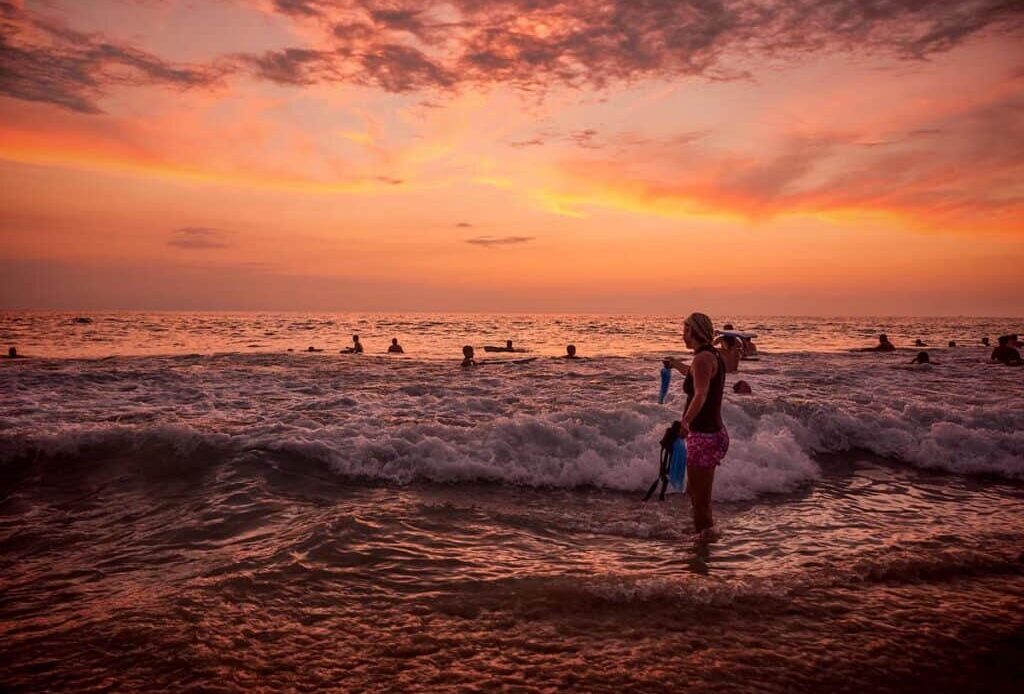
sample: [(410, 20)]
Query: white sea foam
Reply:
[(530, 424)]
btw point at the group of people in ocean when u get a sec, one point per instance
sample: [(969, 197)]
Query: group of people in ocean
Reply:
[(696, 444), (1006, 352)]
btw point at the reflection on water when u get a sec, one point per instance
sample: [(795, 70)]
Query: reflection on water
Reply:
[(266, 573)]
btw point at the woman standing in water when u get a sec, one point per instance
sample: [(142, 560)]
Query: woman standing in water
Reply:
[(707, 441)]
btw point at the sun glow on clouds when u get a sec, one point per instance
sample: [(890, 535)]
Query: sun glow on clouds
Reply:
[(361, 133)]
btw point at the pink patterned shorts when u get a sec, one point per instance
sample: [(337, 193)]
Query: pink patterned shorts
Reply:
[(706, 450)]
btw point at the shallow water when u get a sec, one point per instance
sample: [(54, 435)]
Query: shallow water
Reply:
[(278, 521)]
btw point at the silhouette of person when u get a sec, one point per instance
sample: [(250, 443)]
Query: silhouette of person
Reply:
[(467, 356), (570, 352), (395, 348), (356, 348)]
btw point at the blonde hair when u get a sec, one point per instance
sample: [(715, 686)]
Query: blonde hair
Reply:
[(702, 327)]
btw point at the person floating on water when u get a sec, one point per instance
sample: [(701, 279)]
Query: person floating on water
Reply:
[(356, 348), (395, 348), (707, 440), (666, 380), (1006, 352), (570, 352), (311, 348), (919, 343), (507, 348), (467, 357)]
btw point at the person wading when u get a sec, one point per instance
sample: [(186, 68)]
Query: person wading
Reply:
[(707, 440)]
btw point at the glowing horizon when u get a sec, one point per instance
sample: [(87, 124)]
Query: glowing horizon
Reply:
[(507, 155)]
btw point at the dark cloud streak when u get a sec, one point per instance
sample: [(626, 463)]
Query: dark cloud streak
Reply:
[(528, 44), (492, 241), (41, 60)]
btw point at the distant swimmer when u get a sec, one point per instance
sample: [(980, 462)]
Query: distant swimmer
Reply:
[(952, 343), (1007, 352), (356, 348), (395, 348), (666, 380), (570, 352), (731, 350), (467, 357), (883, 345), (985, 342), (742, 388), (313, 349), (12, 353), (507, 348), (923, 358), (919, 343)]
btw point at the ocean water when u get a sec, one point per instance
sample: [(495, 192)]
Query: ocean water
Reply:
[(186, 504)]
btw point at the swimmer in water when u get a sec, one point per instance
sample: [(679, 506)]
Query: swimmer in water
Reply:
[(570, 352), (922, 358), (395, 348), (1006, 352), (919, 343), (731, 350), (742, 388), (313, 349), (985, 342), (12, 353), (356, 348), (467, 357), (883, 345)]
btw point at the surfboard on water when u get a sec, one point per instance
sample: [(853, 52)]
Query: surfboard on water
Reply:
[(736, 333), (492, 348)]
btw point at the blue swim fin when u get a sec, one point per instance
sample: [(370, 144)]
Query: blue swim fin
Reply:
[(677, 468)]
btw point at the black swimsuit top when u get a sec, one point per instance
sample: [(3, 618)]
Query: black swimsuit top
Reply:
[(709, 419)]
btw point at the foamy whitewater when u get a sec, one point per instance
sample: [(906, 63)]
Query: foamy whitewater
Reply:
[(184, 497)]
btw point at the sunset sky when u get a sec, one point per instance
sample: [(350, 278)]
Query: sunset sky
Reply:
[(749, 157)]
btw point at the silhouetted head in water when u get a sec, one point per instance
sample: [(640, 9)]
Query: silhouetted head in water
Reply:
[(570, 351), (919, 343), (952, 343), (742, 388), (467, 356), (1004, 340), (508, 344), (922, 358), (985, 341), (727, 326), (667, 363), (394, 340), (12, 353)]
